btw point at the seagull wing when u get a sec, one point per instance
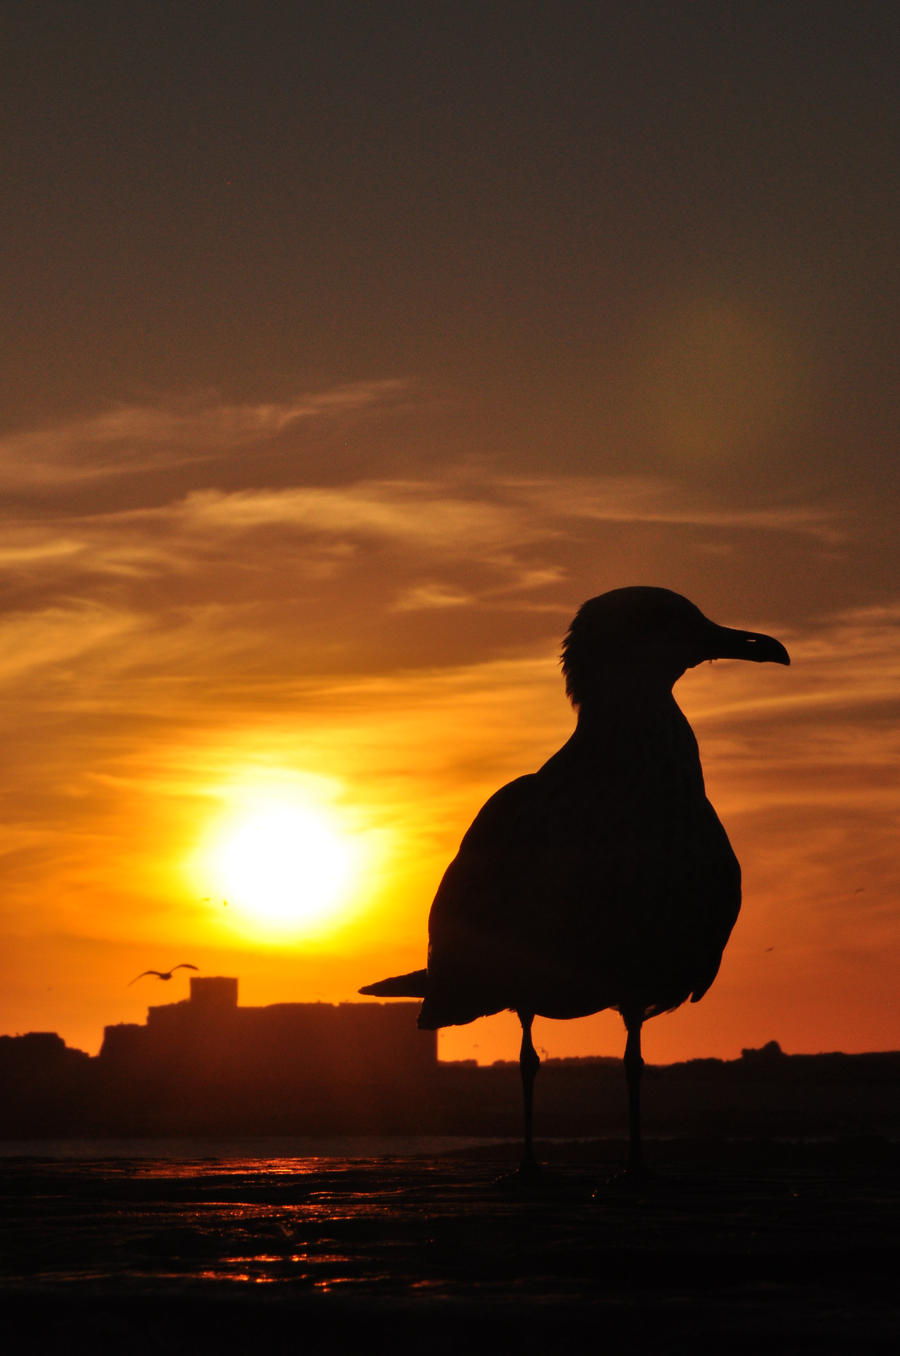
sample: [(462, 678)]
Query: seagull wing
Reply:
[(141, 976), (481, 942), (575, 890)]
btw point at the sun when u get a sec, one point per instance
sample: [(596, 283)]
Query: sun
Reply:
[(282, 867)]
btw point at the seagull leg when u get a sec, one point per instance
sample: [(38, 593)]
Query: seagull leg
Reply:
[(634, 1067), (529, 1063)]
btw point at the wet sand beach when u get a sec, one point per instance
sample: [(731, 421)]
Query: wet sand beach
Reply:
[(746, 1246)]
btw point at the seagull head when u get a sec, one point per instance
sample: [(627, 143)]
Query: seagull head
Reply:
[(641, 636)]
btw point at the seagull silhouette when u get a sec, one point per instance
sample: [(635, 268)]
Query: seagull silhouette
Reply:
[(605, 879), (161, 974)]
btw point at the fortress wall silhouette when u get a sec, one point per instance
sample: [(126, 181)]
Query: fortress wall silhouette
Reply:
[(288, 1064)]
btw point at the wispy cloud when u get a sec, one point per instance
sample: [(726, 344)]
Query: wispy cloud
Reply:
[(34, 547), (495, 510), (241, 588), (33, 641), (140, 438), (525, 532), (423, 597), (646, 499), (422, 513), (282, 568)]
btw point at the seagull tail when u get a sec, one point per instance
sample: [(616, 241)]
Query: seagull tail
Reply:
[(414, 985)]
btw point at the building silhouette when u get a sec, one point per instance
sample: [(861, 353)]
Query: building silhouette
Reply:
[(210, 1037), (206, 1066)]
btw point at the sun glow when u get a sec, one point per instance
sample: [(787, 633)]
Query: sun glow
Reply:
[(281, 868)]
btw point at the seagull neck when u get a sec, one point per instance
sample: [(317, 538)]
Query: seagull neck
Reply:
[(645, 737), (626, 703)]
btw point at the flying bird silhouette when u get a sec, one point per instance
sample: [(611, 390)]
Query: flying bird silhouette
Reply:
[(161, 974), (605, 879)]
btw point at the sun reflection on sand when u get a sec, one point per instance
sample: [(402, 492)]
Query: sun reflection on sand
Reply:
[(737, 1235)]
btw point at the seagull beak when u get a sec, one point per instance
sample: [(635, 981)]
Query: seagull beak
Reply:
[(724, 643)]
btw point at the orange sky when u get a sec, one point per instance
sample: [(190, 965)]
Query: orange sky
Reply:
[(341, 381)]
